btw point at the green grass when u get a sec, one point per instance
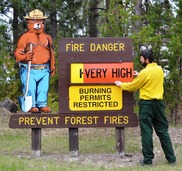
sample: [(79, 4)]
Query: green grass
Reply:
[(15, 150), (12, 163)]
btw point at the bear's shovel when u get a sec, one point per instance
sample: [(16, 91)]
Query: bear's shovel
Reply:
[(26, 101)]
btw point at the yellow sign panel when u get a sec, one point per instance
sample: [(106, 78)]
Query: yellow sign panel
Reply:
[(95, 97), (75, 71)]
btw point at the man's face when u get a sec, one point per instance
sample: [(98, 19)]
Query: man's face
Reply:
[(143, 61)]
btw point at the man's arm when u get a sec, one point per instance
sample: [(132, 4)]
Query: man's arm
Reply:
[(136, 84)]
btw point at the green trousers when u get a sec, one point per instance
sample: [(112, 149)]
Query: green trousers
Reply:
[(152, 115)]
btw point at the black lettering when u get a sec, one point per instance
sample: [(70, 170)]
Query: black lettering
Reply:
[(99, 72), (93, 75), (122, 72), (87, 73), (114, 73), (81, 73), (129, 72)]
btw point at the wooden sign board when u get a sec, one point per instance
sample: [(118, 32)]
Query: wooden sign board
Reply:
[(87, 69), (69, 120)]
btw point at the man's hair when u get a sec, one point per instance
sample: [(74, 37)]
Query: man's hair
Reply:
[(148, 54)]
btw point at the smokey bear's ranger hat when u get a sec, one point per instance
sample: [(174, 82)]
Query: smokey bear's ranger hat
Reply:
[(36, 14)]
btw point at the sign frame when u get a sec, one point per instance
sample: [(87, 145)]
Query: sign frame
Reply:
[(85, 55)]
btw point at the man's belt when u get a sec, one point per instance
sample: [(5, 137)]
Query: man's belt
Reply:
[(38, 67)]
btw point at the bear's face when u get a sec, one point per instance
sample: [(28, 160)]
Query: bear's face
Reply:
[(35, 26)]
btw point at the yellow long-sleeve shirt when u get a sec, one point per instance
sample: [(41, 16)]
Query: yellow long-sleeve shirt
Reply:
[(149, 82)]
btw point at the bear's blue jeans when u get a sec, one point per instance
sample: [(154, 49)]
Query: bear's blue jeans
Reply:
[(38, 84)]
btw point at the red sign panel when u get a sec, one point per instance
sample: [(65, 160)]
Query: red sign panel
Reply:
[(101, 72), (108, 73)]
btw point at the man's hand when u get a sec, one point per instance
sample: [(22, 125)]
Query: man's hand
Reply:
[(135, 73), (29, 56), (118, 83)]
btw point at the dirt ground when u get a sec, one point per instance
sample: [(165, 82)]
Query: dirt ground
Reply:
[(109, 160), (116, 161)]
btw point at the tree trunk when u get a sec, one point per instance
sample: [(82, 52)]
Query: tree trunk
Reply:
[(93, 31), (53, 19), (138, 12), (15, 24)]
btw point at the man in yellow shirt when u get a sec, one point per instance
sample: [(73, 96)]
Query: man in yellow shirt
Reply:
[(151, 107)]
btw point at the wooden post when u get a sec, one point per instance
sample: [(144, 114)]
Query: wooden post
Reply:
[(73, 142), (36, 142), (120, 142)]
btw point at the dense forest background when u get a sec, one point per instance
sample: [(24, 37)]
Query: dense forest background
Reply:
[(155, 24)]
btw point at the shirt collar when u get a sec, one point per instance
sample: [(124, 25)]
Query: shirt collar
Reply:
[(151, 64)]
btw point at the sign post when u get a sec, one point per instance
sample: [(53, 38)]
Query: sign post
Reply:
[(36, 142)]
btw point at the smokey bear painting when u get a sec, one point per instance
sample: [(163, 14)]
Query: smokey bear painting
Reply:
[(35, 56)]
